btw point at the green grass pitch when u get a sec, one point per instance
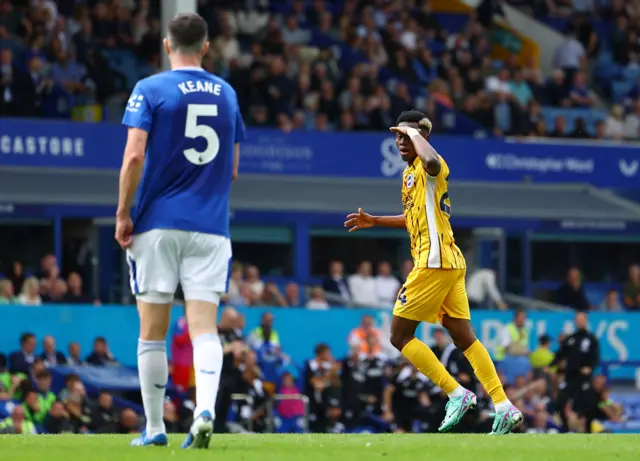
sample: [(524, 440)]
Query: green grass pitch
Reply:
[(329, 447)]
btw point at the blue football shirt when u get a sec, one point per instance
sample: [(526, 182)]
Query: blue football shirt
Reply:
[(194, 121)]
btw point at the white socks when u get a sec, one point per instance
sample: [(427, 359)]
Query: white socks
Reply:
[(153, 372), (207, 364), (457, 393), (503, 406)]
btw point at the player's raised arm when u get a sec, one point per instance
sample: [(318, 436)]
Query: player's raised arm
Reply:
[(425, 151), (362, 220)]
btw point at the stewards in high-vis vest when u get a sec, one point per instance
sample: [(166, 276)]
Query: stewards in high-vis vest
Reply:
[(17, 423), (514, 338)]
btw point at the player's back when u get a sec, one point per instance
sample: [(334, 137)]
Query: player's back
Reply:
[(193, 122)]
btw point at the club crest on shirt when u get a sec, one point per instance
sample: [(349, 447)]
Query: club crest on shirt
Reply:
[(409, 180)]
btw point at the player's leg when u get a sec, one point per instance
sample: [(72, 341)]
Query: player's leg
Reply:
[(419, 300), (456, 319), (419, 354), (153, 266), (204, 274)]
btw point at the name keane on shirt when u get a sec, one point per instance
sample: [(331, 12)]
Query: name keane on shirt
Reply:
[(200, 87), (54, 146)]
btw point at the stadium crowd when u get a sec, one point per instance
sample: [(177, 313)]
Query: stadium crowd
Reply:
[(360, 289), (371, 389), (322, 66)]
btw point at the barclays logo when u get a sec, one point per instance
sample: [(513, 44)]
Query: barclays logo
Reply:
[(629, 169)]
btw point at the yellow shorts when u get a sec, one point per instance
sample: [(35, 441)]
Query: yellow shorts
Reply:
[(429, 294)]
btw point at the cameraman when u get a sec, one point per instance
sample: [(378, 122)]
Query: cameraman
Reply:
[(579, 354)]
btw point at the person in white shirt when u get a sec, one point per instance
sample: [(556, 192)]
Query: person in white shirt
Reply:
[(30, 295), (316, 299), (253, 282), (363, 287), (482, 283), (632, 123), (499, 83), (570, 54), (613, 125), (387, 286)]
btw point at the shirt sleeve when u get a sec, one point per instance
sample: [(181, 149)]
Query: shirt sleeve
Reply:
[(241, 132), (138, 113)]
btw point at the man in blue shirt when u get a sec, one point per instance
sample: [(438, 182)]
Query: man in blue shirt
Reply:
[(181, 156)]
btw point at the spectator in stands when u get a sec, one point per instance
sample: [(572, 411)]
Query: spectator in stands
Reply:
[(359, 336), (632, 288), (614, 124), (253, 282), (101, 356), (264, 333), (56, 291), (21, 361), (336, 284), (556, 89), (632, 123), (605, 408), (318, 377), (171, 419), (611, 302), (17, 423), (75, 358), (77, 406), (48, 268), (453, 359), (74, 293), (57, 421), (571, 292), (50, 355), (406, 399), (292, 294), (520, 89), (579, 94), (33, 409), (570, 55), (234, 295), (17, 276), (317, 299), (362, 286), (30, 295), (103, 415), (543, 355), (514, 338), (128, 423), (482, 286), (43, 387), (271, 296), (386, 285), (6, 292), (17, 93)]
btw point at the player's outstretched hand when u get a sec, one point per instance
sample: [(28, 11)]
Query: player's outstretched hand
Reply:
[(124, 232), (400, 129), (359, 220)]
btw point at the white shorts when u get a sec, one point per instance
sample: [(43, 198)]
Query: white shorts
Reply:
[(161, 258)]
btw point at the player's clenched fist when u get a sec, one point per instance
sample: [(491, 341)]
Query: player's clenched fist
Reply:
[(359, 220), (124, 231)]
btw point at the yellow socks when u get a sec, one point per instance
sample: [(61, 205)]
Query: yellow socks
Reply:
[(426, 361), (485, 371)]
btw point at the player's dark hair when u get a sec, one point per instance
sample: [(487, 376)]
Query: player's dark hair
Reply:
[(321, 348), (410, 116), (187, 33), (415, 116)]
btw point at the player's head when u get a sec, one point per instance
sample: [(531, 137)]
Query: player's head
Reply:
[(414, 119), (187, 36)]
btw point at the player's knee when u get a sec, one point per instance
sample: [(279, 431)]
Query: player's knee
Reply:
[(460, 331), (400, 338)]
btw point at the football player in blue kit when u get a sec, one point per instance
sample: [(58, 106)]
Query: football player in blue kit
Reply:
[(181, 156)]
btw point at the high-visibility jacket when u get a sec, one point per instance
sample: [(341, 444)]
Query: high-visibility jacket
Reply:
[(518, 336)]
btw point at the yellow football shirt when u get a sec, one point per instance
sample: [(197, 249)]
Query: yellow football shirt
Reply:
[(427, 209)]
